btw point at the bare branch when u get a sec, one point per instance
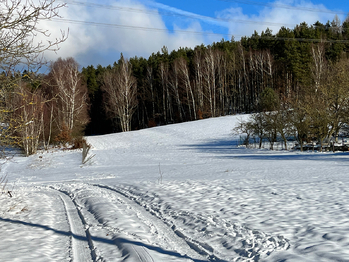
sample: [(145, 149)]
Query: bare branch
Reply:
[(19, 31)]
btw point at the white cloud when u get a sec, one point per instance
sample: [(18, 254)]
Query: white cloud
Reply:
[(98, 44), (274, 18), (78, 38), (102, 44)]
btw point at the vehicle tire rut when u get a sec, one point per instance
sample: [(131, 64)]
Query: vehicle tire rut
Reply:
[(244, 243), (81, 244), (197, 248), (133, 233)]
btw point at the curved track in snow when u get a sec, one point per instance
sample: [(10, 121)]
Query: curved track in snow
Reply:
[(182, 241), (113, 224), (241, 242), (124, 231), (80, 244)]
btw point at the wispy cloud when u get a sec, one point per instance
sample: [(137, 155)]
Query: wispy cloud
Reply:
[(173, 11)]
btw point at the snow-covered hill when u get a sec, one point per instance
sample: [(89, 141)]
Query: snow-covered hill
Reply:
[(182, 192)]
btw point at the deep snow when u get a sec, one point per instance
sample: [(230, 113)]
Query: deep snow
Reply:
[(183, 192)]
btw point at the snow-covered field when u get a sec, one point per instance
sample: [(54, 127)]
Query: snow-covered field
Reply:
[(181, 192)]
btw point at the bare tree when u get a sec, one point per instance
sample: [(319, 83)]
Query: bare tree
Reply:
[(198, 86), (19, 31), (28, 107), (244, 127), (121, 90), (210, 65), (319, 119), (150, 81), (244, 80), (284, 127), (336, 25), (166, 98), (174, 84), (71, 94), (258, 124), (319, 64), (336, 92), (185, 76), (300, 121), (20, 48)]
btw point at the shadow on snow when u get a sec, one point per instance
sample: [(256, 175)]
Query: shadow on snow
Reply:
[(228, 148), (116, 241)]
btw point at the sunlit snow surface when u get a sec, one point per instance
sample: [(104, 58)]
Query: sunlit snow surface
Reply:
[(182, 192)]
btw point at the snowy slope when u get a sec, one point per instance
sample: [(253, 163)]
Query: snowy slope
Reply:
[(182, 192)]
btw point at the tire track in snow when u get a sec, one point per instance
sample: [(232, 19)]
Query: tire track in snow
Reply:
[(130, 251), (194, 248), (90, 201), (143, 254), (233, 241), (81, 244)]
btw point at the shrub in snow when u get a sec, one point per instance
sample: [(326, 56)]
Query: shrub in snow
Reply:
[(85, 150)]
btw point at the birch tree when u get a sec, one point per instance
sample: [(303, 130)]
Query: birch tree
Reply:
[(21, 49), (210, 79), (198, 79), (28, 107), (120, 87), (185, 76), (71, 94), (150, 81), (174, 84), (319, 64)]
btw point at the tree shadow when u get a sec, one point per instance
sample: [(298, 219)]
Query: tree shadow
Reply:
[(116, 241), (60, 232), (229, 149)]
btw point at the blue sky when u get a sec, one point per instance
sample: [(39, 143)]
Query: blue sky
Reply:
[(100, 30)]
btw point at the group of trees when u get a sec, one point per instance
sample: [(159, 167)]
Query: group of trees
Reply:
[(41, 109), (36, 109), (314, 114), (223, 78), (120, 88), (296, 80)]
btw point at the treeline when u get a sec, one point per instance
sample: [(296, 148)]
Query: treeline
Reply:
[(227, 77)]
